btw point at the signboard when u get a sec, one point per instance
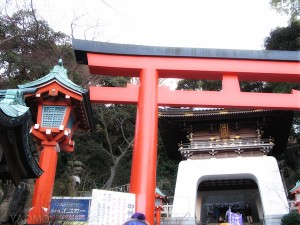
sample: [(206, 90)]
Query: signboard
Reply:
[(111, 208), (72, 210)]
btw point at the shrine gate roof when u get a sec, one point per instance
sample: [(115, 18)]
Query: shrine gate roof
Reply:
[(82, 47)]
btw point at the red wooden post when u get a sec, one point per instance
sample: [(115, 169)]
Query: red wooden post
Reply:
[(230, 83), (158, 210), (53, 109), (143, 178), (44, 184)]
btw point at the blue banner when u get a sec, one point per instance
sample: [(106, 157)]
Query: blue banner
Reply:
[(69, 209)]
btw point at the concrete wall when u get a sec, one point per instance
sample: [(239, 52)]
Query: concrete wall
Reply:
[(263, 170)]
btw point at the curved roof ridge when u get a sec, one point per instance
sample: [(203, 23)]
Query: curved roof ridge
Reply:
[(58, 73)]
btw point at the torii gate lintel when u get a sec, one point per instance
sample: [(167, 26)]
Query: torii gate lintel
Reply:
[(232, 98)]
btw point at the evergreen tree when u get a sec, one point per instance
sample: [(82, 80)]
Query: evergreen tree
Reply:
[(29, 48), (288, 7)]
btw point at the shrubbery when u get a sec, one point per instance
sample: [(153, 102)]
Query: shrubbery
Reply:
[(293, 218)]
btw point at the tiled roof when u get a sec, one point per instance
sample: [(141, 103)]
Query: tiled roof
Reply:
[(15, 119), (12, 102), (208, 113), (296, 189), (58, 73), (159, 192)]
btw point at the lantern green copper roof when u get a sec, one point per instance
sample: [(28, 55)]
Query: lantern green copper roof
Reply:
[(159, 192), (296, 188), (59, 74), (12, 102)]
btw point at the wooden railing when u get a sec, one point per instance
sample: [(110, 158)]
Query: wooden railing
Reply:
[(215, 146), (167, 210)]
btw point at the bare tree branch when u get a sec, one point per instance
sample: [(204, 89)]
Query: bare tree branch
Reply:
[(35, 19)]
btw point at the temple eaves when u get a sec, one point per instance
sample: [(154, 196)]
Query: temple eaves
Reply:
[(16, 159)]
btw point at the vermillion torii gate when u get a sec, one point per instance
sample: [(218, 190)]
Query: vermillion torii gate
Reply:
[(151, 63)]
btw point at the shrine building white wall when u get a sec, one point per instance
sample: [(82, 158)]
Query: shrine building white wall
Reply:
[(263, 170)]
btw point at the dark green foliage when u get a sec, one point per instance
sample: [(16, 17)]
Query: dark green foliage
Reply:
[(205, 85), (292, 218), (166, 172), (254, 87), (97, 162), (114, 82), (123, 172), (185, 84), (284, 38), (62, 163), (281, 38), (107, 151), (29, 48), (287, 38), (268, 87)]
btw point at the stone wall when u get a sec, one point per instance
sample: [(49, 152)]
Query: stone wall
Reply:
[(15, 202)]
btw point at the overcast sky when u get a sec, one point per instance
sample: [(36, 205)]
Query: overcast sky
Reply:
[(227, 24)]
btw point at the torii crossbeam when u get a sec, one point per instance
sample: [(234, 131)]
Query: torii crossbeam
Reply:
[(151, 63)]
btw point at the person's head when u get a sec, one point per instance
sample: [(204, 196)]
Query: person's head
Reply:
[(137, 219), (138, 216)]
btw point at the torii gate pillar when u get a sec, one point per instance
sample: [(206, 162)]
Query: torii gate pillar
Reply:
[(143, 173), (150, 63)]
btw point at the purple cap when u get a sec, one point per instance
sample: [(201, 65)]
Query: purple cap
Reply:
[(139, 216)]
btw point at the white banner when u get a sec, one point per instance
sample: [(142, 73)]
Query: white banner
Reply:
[(235, 219), (110, 207)]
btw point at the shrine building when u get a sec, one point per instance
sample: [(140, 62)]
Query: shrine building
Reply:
[(228, 159)]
